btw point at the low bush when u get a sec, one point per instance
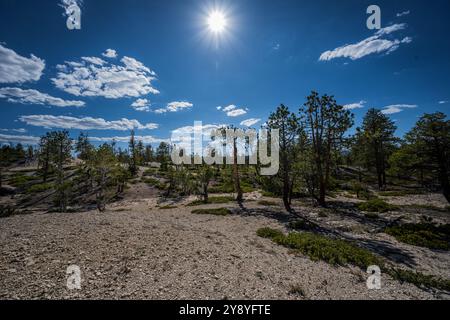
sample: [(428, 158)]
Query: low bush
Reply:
[(422, 235), (372, 215), (168, 207), (40, 188), (318, 247), (215, 212), (376, 205), (420, 280), (300, 225), (211, 200)]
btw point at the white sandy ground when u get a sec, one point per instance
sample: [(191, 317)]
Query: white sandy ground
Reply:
[(137, 251)]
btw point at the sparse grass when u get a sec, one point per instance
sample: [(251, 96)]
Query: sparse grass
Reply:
[(372, 215), (323, 214), (423, 235), (154, 182), (318, 247), (40, 188), (19, 180), (215, 212), (300, 225), (376, 205), (267, 203), (427, 207), (168, 207), (211, 200), (297, 290), (269, 233), (7, 211), (420, 280), (269, 194), (399, 193)]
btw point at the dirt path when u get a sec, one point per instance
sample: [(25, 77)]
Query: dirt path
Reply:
[(135, 250)]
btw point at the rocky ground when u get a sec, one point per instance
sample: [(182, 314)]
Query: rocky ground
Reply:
[(135, 250)]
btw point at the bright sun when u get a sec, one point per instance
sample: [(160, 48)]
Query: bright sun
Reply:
[(217, 22)]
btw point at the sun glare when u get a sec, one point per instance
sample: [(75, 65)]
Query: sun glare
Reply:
[(217, 22)]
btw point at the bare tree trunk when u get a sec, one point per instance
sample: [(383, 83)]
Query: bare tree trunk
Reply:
[(237, 183)]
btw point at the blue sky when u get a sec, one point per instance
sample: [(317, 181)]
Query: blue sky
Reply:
[(166, 69)]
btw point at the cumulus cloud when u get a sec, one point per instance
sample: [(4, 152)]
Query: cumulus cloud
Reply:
[(356, 105), (236, 112), (141, 105), (396, 108), (6, 138), (404, 13), (144, 139), (250, 122), (233, 111), (110, 53), (29, 96), (84, 123), (175, 106), (20, 130), (94, 77), (371, 45), (16, 68), (94, 60)]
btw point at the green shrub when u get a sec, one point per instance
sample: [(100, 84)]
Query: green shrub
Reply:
[(318, 247), (211, 200), (300, 225), (19, 180), (269, 233), (371, 215), (423, 235), (323, 214), (427, 207), (168, 207), (419, 279), (399, 193), (296, 289), (7, 211), (216, 212), (40, 188), (376, 205)]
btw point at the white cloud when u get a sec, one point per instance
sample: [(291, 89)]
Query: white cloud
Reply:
[(229, 108), (85, 123), (250, 122), (144, 139), (20, 130), (356, 105), (370, 45), (110, 53), (396, 108), (404, 13), (141, 105), (29, 96), (93, 77), (236, 112), (94, 60), (233, 111), (219, 108), (443, 102), (16, 68), (175, 106), (6, 138)]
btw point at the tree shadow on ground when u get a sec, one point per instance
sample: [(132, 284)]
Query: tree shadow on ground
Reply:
[(380, 247)]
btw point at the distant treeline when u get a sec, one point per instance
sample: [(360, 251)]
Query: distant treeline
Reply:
[(314, 148)]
